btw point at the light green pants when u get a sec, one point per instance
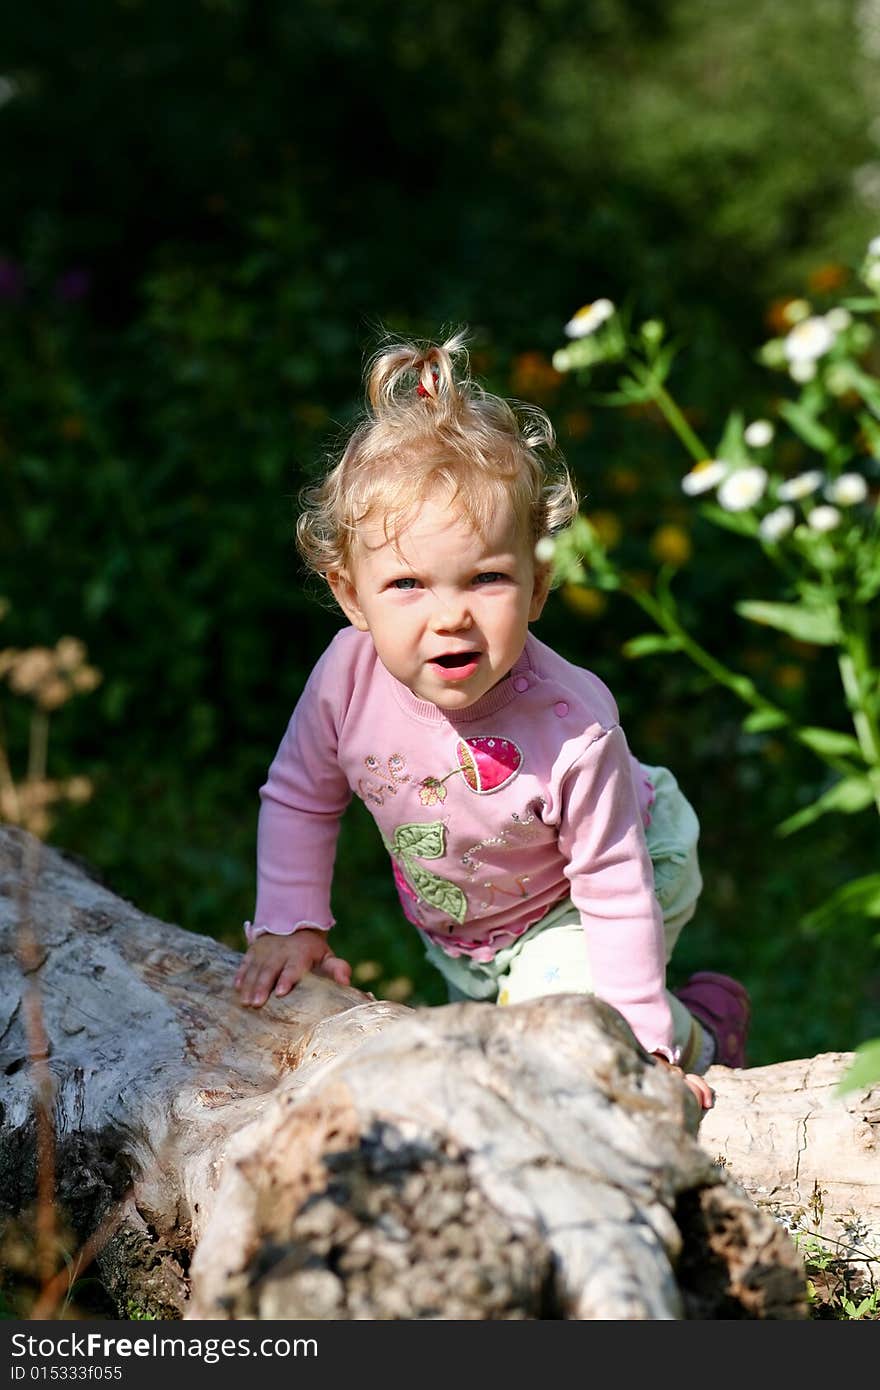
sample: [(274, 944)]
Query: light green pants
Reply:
[(551, 957)]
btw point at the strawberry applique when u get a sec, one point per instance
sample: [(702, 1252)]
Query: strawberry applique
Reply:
[(487, 764)]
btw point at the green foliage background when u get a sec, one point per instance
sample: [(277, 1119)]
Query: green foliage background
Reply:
[(208, 212)]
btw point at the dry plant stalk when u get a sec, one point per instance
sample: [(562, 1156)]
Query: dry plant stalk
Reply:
[(49, 677), (30, 957), (55, 1289)]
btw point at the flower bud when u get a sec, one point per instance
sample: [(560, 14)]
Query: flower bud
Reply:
[(545, 550), (824, 518), (758, 434)]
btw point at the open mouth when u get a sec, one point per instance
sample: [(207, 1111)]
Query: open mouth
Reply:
[(456, 666), (453, 660)]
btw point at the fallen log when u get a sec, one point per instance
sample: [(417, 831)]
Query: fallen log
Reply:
[(333, 1156), (807, 1155)]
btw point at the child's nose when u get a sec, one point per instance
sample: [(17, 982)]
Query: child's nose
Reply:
[(451, 614)]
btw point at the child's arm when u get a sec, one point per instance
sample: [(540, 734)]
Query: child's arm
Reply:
[(279, 962), (302, 802), (612, 885)]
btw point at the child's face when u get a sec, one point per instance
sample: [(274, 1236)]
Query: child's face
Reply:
[(447, 609)]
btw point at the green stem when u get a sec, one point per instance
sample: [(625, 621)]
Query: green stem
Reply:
[(674, 417), (741, 686), (854, 662)]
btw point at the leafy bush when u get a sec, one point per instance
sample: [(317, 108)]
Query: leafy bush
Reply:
[(818, 527)]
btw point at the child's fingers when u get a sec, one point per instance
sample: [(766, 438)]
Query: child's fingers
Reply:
[(702, 1090), (289, 977), (257, 984), (246, 976), (336, 968), (243, 979), (342, 971)]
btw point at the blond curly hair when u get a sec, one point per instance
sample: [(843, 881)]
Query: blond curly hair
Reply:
[(429, 427)]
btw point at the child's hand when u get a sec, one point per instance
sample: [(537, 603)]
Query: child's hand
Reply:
[(280, 961), (700, 1087), (697, 1085)]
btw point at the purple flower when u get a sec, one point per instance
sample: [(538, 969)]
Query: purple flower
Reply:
[(73, 285), (12, 282)]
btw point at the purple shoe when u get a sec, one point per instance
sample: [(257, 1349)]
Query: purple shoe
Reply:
[(722, 1005)]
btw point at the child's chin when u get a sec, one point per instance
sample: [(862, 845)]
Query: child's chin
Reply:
[(453, 696)]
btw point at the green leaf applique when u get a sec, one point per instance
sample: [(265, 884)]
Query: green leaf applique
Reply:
[(421, 841), (437, 892), (413, 842)]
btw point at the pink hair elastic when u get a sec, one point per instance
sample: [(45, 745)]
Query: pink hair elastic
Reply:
[(423, 390)]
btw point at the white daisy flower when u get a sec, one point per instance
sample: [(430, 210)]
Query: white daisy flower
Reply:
[(802, 371), (545, 550), (871, 275), (874, 246), (588, 318), (838, 319), (742, 489), (704, 476), (803, 485), (777, 524), (809, 339), (824, 518), (847, 490), (758, 434)]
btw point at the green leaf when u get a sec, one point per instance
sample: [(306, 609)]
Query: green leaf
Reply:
[(868, 388), (437, 892), (807, 426), (662, 361), (830, 743), (740, 522), (864, 1071), (818, 625), (762, 720), (859, 898), (731, 445), (421, 841), (849, 795), (648, 643), (743, 686), (629, 393)]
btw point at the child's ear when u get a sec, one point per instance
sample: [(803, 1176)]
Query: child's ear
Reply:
[(345, 595), (543, 577)]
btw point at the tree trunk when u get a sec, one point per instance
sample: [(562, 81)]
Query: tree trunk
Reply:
[(333, 1156)]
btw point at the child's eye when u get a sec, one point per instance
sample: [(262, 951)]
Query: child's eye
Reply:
[(489, 577), (404, 584)]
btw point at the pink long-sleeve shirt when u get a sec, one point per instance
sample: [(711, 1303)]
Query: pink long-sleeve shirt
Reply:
[(491, 815)]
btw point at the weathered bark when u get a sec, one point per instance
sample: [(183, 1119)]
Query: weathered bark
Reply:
[(333, 1156), (805, 1153)]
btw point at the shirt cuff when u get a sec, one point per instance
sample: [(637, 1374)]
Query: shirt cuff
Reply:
[(252, 932)]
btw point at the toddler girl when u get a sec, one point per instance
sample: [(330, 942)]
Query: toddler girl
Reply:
[(530, 850)]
